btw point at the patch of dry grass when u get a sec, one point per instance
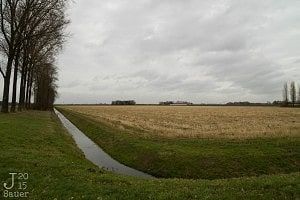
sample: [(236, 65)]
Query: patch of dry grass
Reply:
[(202, 122)]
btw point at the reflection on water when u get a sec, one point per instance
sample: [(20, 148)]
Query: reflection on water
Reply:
[(95, 154)]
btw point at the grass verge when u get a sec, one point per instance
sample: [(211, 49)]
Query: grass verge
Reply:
[(192, 158), (35, 143)]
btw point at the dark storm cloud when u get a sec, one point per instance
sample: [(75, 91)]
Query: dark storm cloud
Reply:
[(172, 49)]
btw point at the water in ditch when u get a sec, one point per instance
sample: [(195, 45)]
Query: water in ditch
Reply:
[(95, 154)]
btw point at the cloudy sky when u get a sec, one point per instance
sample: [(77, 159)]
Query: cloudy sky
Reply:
[(199, 51)]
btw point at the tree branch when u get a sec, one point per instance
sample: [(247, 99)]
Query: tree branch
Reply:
[(2, 72)]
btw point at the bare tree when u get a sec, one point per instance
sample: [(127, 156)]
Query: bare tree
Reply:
[(45, 87), (298, 93), (293, 93), (285, 94), (9, 30)]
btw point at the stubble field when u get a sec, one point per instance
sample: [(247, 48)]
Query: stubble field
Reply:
[(200, 122)]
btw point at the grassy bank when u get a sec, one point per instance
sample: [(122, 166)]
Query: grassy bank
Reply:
[(35, 143), (193, 158)]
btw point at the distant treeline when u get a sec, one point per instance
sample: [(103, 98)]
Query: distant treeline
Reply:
[(31, 36), (242, 103), (274, 103)]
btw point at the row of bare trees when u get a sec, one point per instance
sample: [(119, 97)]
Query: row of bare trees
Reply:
[(290, 94), (32, 34)]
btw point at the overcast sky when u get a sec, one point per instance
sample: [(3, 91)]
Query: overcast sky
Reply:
[(199, 51)]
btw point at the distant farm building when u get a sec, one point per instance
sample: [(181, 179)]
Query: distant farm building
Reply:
[(166, 103), (175, 103), (118, 102)]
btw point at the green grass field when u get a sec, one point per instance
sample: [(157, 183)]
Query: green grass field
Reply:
[(193, 158), (35, 143)]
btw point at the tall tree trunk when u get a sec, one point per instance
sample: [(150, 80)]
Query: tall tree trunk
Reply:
[(5, 99), (22, 85), (14, 93), (30, 91), (27, 89), (22, 90)]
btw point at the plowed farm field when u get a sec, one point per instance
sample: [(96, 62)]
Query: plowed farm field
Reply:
[(199, 122)]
